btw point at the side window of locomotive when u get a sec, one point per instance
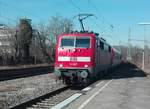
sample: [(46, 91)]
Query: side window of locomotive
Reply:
[(106, 47), (101, 45), (67, 42), (82, 42), (109, 48), (98, 43)]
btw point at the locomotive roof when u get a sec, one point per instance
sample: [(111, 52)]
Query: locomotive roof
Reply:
[(103, 40), (80, 32)]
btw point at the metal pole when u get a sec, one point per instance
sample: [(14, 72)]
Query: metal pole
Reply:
[(129, 46), (143, 60), (35, 50), (120, 46), (143, 63)]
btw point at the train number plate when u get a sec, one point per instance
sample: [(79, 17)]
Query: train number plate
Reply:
[(73, 59), (72, 71)]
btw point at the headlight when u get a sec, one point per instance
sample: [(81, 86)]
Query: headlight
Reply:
[(86, 66), (60, 65)]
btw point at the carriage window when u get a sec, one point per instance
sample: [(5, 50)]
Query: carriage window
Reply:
[(82, 42), (67, 42)]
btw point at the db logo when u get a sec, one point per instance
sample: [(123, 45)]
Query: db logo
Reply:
[(73, 59)]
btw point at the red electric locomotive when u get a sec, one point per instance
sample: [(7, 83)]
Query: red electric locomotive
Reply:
[(81, 56)]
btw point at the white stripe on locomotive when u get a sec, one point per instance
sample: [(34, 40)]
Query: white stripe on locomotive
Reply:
[(79, 59)]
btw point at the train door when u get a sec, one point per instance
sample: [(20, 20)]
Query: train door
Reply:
[(96, 55)]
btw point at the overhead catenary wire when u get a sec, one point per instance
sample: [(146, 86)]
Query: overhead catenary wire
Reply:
[(77, 7), (19, 10), (110, 26), (10, 21), (97, 10), (104, 30)]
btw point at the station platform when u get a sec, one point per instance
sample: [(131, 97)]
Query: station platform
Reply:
[(126, 93)]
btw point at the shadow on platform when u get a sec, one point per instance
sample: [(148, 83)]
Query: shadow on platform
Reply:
[(126, 70)]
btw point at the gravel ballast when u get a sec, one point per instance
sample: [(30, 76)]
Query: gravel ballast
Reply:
[(14, 92)]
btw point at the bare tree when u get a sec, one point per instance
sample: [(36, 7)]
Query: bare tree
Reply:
[(59, 25), (47, 35), (43, 41)]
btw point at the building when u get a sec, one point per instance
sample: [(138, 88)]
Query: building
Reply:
[(6, 40)]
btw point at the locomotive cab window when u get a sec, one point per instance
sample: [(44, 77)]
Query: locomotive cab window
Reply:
[(67, 42), (82, 42), (79, 42)]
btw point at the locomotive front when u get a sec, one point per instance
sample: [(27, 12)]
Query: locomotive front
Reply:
[(74, 59)]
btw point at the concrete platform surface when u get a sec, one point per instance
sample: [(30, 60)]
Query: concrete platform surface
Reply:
[(123, 90)]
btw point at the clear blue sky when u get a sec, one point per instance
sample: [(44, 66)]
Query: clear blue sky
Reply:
[(122, 14)]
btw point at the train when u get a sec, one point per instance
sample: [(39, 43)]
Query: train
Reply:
[(80, 57)]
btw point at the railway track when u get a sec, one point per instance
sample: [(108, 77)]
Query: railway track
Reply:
[(8, 74), (49, 100)]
